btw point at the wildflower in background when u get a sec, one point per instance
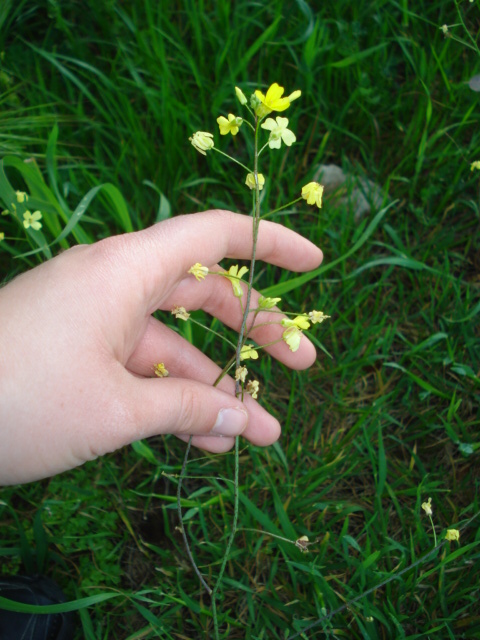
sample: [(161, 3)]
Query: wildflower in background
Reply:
[(241, 374), (273, 100), (312, 193), (160, 371), (199, 271), (253, 388), (317, 316), (2, 236), (21, 196), (427, 507), (202, 141), (5, 212), (241, 96), (444, 28), (250, 181), (234, 275), (247, 352), (180, 312), (267, 303), (278, 132), (292, 337), (475, 165), (300, 322), (452, 534), (229, 126), (32, 220)]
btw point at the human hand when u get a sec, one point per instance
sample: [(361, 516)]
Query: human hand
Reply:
[(78, 345)]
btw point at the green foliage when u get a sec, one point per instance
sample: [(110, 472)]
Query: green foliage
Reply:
[(98, 100)]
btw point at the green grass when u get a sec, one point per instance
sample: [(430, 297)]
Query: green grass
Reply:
[(387, 417)]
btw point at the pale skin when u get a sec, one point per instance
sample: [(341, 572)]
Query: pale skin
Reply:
[(78, 344)]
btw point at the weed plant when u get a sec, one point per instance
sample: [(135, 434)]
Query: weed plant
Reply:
[(388, 416)]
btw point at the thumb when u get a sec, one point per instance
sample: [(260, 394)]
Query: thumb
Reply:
[(182, 407)]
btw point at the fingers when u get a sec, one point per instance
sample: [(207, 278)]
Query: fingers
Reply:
[(185, 362), (167, 250)]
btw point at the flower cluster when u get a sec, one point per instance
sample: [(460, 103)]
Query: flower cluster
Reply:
[(30, 220)]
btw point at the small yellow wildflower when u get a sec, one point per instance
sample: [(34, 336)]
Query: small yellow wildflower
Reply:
[(475, 165), (253, 388), (301, 322), (32, 220), (241, 374), (199, 271), (273, 100), (267, 303), (278, 132), (444, 28), (452, 534), (202, 141), (5, 212), (180, 312), (241, 97), (234, 275), (427, 507), (229, 126), (250, 181), (160, 371), (317, 316), (247, 352), (21, 196), (2, 236), (312, 193), (292, 337)]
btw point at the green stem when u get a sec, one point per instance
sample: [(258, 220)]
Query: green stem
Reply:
[(270, 213), (233, 159)]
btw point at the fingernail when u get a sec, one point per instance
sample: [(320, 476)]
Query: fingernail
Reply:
[(230, 422)]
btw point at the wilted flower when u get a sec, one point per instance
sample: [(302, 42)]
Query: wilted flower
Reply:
[(452, 534), (278, 132), (312, 193), (250, 181), (241, 374), (317, 316), (253, 388), (160, 371), (267, 303), (202, 141), (229, 126), (199, 271), (180, 312), (427, 507)]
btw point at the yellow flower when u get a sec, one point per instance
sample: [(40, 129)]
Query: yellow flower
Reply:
[(160, 371), (229, 126), (241, 374), (199, 271), (234, 275), (317, 316), (273, 100), (312, 193), (253, 388), (2, 236), (240, 96), (32, 220), (267, 303), (250, 181), (202, 141), (292, 337), (427, 507), (278, 132), (247, 352), (180, 312), (21, 196), (301, 322), (452, 534), (475, 165)]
